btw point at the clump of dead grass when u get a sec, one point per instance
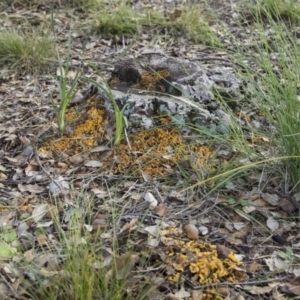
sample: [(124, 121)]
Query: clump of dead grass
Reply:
[(29, 53)]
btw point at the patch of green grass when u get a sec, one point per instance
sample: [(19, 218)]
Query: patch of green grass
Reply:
[(66, 91), (193, 23), (122, 19), (84, 275), (88, 266), (29, 53), (288, 10), (52, 3), (272, 82)]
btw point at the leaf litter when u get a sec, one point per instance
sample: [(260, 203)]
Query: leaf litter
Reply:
[(191, 245)]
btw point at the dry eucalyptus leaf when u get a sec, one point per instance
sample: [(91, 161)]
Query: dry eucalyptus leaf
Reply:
[(100, 149), (93, 163), (32, 188), (197, 294), (39, 212), (172, 297), (129, 225), (191, 231), (258, 290), (4, 291), (272, 224), (153, 230), (203, 230), (47, 274), (224, 290), (239, 225), (77, 159), (124, 264), (3, 176), (182, 293), (153, 242), (223, 251), (105, 154), (59, 186), (290, 289), (253, 267), (150, 198), (42, 239), (78, 98), (287, 206), (161, 209), (272, 199), (248, 209), (27, 151)]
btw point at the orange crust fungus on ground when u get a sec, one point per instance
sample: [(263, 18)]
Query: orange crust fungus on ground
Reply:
[(86, 127), (150, 80), (200, 259), (154, 152)]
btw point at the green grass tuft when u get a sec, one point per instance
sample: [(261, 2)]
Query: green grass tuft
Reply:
[(272, 82), (121, 20), (29, 4), (193, 23), (288, 10), (125, 20), (29, 53)]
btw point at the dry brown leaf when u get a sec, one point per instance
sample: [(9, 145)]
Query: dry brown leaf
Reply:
[(3, 176), (46, 273), (182, 293), (203, 230), (191, 231), (42, 239), (93, 163), (240, 297), (224, 290), (77, 159), (124, 264), (239, 225), (172, 297), (151, 199), (31, 188), (259, 290), (259, 202), (291, 289), (272, 224), (161, 209), (287, 206), (272, 199), (223, 251), (197, 294), (39, 212), (129, 225), (4, 291), (29, 255), (253, 267)]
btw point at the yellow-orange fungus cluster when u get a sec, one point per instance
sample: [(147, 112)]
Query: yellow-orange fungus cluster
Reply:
[(86, 126), (150, 80), (153, 151), (202, 261)]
